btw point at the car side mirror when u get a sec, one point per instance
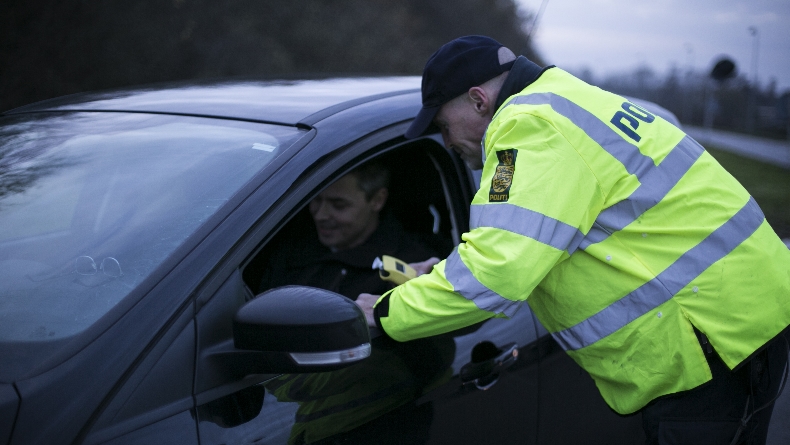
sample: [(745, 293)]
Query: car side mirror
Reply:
[(298, 329)]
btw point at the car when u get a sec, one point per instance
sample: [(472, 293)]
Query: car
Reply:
[(135, 226)]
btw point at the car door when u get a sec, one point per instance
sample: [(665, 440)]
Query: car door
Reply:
[(496, 398), (474, 388)]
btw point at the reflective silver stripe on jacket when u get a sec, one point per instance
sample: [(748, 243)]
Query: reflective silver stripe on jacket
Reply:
[(669, 282), (654, 186), (525, 222), (514, 219), (655, 181), (634, 161), (465, 283)]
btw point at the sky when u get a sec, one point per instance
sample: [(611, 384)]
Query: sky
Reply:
[(616, 36)]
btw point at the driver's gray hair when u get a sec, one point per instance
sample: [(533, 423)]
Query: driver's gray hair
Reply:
[(371, 177)]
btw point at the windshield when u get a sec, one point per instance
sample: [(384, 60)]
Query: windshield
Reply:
[(92, 203)]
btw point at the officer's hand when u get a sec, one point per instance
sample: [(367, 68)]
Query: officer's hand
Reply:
[(366, 302), (425, 266)]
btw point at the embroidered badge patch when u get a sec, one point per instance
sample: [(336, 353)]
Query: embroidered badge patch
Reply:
[(503, 176)]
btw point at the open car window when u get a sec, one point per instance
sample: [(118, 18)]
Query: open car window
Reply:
[(425, 198)]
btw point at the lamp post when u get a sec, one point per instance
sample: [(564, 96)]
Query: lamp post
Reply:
[(688, 84), (755, 50), (752, 108)]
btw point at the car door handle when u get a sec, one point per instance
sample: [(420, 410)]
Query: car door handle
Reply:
[(488, 361)]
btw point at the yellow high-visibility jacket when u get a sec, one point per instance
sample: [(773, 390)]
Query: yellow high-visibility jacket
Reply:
[(621, 232)]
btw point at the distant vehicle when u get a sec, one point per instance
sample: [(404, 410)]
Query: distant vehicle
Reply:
[(134, 226)]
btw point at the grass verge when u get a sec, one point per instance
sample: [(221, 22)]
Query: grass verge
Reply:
[(768, 184)]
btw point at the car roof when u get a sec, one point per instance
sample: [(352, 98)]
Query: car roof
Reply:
[(290, 102)]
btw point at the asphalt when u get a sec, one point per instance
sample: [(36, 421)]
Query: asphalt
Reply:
[(766, 150)]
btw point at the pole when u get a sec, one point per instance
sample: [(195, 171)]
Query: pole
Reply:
[(687, 100), (751, 119)]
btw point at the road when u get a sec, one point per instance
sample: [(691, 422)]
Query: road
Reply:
[(766, 150), (771, 152)]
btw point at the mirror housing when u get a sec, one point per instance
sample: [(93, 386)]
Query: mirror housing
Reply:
[(297, 329)]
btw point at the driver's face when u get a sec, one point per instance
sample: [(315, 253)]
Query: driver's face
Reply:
[(343, 217)]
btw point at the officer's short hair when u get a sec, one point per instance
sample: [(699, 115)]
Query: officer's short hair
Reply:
[(371, 177)]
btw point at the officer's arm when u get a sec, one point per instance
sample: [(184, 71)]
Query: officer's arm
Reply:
[(536, 192)]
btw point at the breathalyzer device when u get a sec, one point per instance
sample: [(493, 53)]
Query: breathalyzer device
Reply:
[(393, 270)]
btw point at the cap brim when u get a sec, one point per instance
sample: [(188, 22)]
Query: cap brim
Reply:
[(422, 122)]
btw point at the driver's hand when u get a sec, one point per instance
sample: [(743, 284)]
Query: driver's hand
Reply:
[(366, 302), (425, 266)]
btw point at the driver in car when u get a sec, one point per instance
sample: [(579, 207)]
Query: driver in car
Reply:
[(375, 397), (351, 230)]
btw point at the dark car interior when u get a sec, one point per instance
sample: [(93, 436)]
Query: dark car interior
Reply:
[(424, 181)]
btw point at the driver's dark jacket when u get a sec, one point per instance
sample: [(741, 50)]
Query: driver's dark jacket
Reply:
[(369, 399)]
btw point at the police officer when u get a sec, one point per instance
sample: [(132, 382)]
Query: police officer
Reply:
[(650, 265)]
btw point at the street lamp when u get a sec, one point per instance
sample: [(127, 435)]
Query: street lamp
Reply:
[(752, 109), (688, 84), (755, 49)]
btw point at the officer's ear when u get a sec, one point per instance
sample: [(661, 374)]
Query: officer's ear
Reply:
[(480, 99)]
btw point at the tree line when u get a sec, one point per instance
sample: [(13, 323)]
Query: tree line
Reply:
[(50, 48), (734, 104)]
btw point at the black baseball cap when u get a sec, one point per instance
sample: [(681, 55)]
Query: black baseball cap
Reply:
[(461, 64)]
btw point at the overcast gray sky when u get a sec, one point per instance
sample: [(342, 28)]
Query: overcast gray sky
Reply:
[(614, 36)]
